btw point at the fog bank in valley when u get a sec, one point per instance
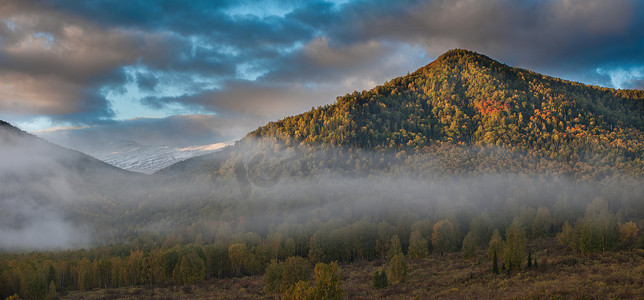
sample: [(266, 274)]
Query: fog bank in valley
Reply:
[(53, 198)]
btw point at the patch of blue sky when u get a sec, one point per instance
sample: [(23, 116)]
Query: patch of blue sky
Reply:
[(227, 50), (262, 9), (10, 24), (199, 43), (297, 46), (36, 124), (127, 101), (310, 85), (47, 37), (250, 70), (621, 78), (340, 2)]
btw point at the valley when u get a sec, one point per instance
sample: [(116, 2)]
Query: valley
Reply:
[(434, 177)]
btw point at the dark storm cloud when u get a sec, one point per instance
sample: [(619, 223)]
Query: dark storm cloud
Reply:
[(206, 20), (175, 16), (55, 67), (268, 59), (78, 51), (567, 37), (248, 98), (298, 82)]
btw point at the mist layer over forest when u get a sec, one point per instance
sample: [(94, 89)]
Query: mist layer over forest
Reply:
[(45, 188), (272, 202), (259, 186), (268, 185)]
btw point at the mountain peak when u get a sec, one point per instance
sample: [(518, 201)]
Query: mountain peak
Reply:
[(7, 127), (460, 53), (458, 59), (466, 98)]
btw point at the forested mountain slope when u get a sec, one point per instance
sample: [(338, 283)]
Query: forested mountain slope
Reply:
[(464, 121), (455, 121), (467, 99)]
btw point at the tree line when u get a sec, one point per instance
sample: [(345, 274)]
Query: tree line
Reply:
[(287, 270)]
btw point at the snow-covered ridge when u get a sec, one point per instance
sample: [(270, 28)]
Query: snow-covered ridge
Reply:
[(211, 147), (147, 159)]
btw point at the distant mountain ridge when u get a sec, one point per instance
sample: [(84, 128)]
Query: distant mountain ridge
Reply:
[(28, 144), (48, 194), (464, 98), (147, 159)]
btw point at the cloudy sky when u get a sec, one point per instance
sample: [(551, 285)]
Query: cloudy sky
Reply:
[(199, 72)]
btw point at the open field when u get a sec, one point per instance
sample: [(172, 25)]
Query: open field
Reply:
[(560, 274)]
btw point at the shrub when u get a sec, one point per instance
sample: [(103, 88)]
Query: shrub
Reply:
[(380, 280), (280, 277)]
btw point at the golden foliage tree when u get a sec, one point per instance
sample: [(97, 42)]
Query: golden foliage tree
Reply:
[(327, 281), (417, 245), (469, 245), (398, 269), (192, 268), (237, 255), (444, 237), (514, 250), (628, 233)]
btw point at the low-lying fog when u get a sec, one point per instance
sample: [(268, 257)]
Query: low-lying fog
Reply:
[(53, 199)]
